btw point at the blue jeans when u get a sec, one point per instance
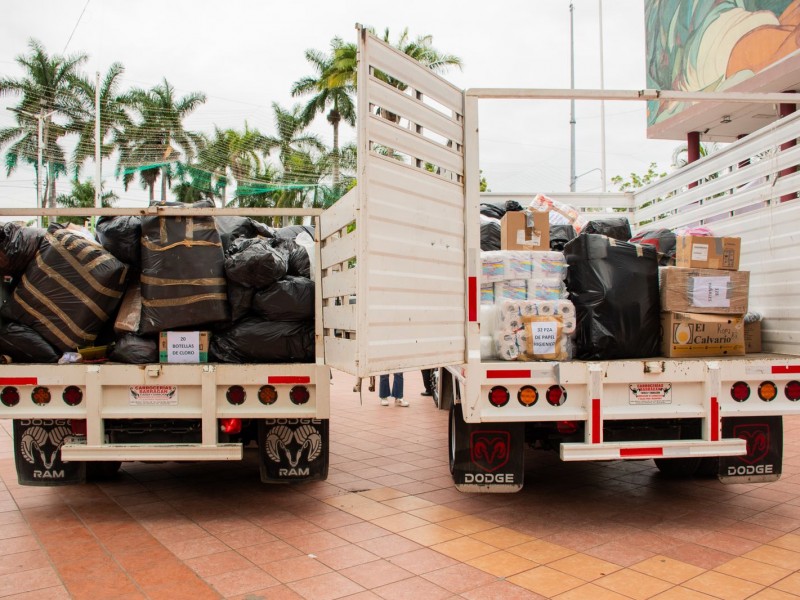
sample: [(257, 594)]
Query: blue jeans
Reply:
[(397, 386)]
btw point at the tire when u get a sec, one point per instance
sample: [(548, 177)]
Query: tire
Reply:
[(435, 376), (102, 470), (456, 417), (678, 468), (709, 467)]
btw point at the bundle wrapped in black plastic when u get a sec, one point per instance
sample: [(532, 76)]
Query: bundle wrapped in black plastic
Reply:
[(292, 231), (256, 340), (135, 349), (614, 287), (490, 234), (122, 237), (297, 261), (560, 235), (493, 210), (240, 297), (70, 290), (618, 228), (662, 239), (24, 345), (231, 228), (18, 246), (290, 299), (254, 263), (183, 272)]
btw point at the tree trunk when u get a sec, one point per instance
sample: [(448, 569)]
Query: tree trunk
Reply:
[(333, 118), (163, 184)]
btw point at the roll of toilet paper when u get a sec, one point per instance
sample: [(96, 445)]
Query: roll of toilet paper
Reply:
[(565, 308), (546, 308), (528, 308), (569, 325), (506, 346)]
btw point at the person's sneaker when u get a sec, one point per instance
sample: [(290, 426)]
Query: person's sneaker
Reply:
[(427, 393), (384, 402), (400, 402)]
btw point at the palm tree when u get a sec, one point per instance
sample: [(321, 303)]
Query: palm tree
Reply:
[(338, 97), (291, 138), (159, 136), (82, 196), (114, 117), (235, 152), (49, 88)]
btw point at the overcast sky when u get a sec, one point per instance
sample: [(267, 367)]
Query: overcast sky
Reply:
[(245, 54)]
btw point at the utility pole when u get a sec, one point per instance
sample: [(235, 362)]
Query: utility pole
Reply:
[(572, 177), (40, 117)]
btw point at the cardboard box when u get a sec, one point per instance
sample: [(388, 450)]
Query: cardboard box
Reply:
[(703, 252), (752, 337), (525, 230), (691, 334), (710, 291), (183, 347)]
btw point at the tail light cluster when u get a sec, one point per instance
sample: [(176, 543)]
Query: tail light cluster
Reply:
[(41, 395), (527, 395), (767, 391), (267, 395)]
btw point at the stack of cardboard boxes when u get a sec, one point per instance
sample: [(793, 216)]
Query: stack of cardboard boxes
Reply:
[(704, 299)]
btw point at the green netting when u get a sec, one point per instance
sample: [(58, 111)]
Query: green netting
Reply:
[(136, 169), (253, 190)]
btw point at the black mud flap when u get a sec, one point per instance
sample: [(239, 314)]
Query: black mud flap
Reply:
[(293, 449), (37, 453), (764, 459), (488, 457)]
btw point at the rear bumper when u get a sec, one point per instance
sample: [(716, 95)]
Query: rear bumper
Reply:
[(152, 452), (653, 449)]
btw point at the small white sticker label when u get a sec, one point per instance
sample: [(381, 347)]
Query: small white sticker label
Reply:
[(183, 346), (153, 395), (544, 337), (711, 292), (650, 393), (700, 252)]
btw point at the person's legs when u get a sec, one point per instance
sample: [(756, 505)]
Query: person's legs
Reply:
[(426, 381), (397, 386), (383, 389)]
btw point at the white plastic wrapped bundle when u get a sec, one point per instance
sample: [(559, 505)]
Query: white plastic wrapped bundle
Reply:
[(516, 289), (506, 346), (493, 266), (546, 289), (565, 308), (518, 265), (509, 318), (528, 308), (548, 264), (487, 293), (487, 347), (545, 308)]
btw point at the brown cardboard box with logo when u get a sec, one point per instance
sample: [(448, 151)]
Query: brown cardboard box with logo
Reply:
[(703, 252), (516, 232), (752, 337), (710, 291), (691, 334)]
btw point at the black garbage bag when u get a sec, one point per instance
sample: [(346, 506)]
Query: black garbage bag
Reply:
[(290, 299), (560, 235), (296, 256), (231, 228), (292, 231), (614, 287), (122, 237), (618, 228), (18, 247), (183, 272), (254, 263), (493, 210), (513, 206), (24, 345), (240, 297), (135, 349), (663, 240), (69, 291), (256, 340), (490, 234)]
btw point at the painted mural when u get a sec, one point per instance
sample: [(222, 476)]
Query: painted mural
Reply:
[(711, 45)]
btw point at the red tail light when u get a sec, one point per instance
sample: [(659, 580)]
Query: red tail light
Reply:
[(499, 396), (78, 426), (9, 396), (556, 395), (72, 395), (299, 394), (230, 426), (236, 395), (793, 391), (41, 395), (740, 391), (567, 427)]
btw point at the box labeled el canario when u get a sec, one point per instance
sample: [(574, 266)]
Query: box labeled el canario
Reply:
[(525, 230), (691, 334), (183, 347), (710, 291), (704, 252)]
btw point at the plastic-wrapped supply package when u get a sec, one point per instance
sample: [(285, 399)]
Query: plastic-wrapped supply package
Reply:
[(18, 246), (490, 233), (295, 255), (256, 340), (290, 299), (240, 297), (493, 210), (618, 228), (129, 316), (231, 228), (122, 237), (292, 231), (254, 263), (24, 345), (614, 287), (560, 235), (516, 289), (183, 272), (134, 349), (487, 293), (493, 266), (69, 291), (663, 240)]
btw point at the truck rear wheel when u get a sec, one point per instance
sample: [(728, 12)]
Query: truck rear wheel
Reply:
[(455, 418), (102, 470), (678, 467)]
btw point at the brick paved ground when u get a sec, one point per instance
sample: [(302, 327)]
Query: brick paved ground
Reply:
[(388, 524)]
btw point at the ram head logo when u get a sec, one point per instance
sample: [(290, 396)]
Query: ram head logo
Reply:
[(39, 442), (292, 443), (490, 450)]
